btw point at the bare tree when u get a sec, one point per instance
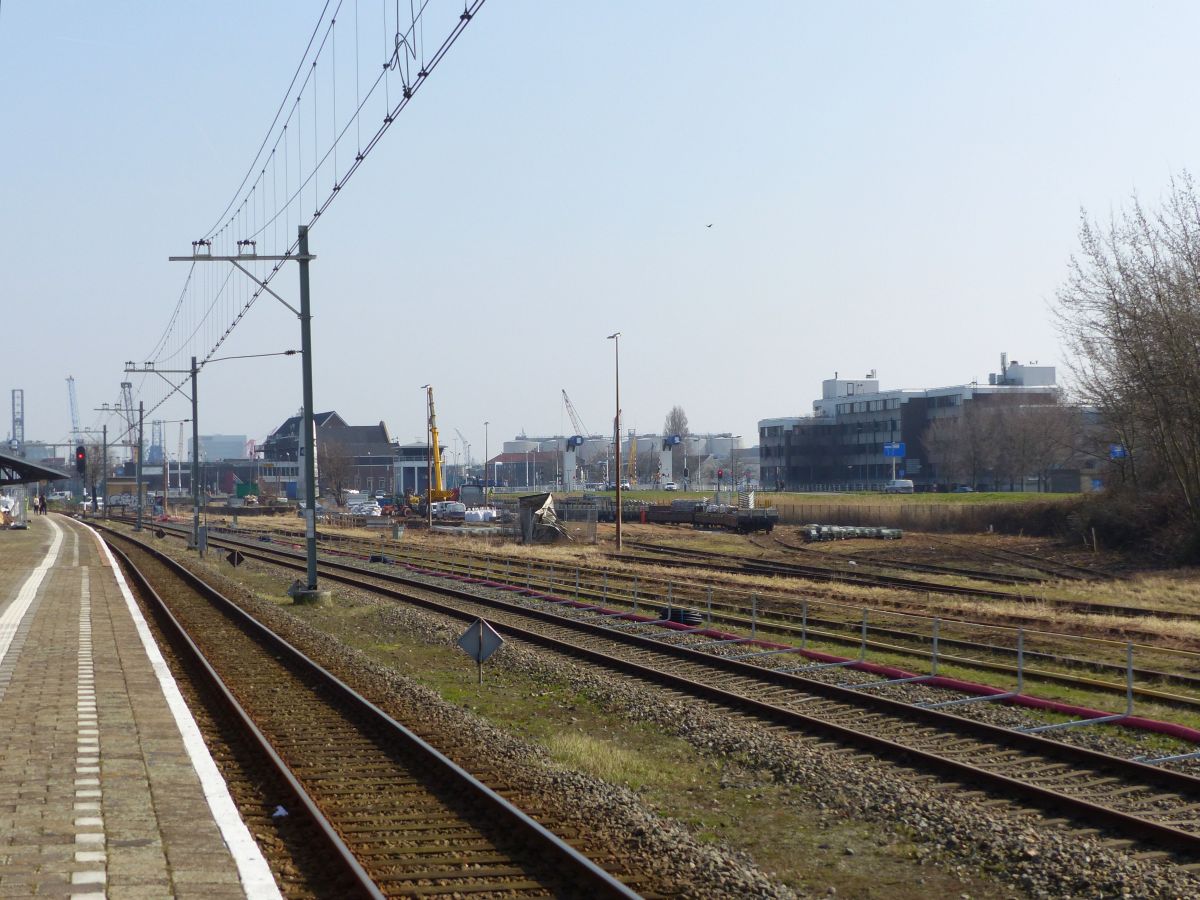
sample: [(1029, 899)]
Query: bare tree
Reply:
[(94, 467), (1130, 315), (963, 447), (336, 466), (943, 448), (1031, 438), (676, 423)]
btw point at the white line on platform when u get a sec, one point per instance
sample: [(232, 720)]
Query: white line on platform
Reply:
[(11, 618), (257, 880)]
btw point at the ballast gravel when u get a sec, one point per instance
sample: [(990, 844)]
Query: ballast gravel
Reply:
[(1037, 858), (669, 860), (1040, 859)]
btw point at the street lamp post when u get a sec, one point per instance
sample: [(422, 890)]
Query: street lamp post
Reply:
[(428, 457), (615, 337)]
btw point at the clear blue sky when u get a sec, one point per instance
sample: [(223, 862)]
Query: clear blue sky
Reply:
[(890, 186)]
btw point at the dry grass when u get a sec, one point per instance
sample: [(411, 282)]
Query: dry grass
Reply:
[(602, 758), (1173, 591)]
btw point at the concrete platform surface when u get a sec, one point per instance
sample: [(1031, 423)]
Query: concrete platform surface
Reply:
[(106, 788)]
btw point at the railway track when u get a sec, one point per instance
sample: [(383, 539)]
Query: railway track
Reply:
[(678, 557), (868, 558), (722, 562), (400, 817), (1131, 801), (781, 619), (1050, 567)]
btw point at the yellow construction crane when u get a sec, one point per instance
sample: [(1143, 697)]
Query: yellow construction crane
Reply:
[(437, 490)]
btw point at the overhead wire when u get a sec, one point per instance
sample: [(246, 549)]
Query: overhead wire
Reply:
[(202, 303), (274, 121)]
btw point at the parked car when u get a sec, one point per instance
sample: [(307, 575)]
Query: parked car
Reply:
[(670, 486), (898, 486), (963, 489)]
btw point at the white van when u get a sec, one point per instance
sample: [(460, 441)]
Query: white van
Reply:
[(898, 486), (448, 510)]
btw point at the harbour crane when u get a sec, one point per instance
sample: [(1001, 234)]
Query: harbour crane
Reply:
[(127, 412), (576, 422), (75, 432), (179, 459), (466, 449)]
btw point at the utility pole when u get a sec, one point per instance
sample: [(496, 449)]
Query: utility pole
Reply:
[(310, 458), (104, 464), (616, 339), (428, 457), (195, 464), (138, 526), (202, 252)]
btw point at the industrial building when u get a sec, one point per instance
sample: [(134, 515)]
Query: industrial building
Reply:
[(539, 461), (859, 436)]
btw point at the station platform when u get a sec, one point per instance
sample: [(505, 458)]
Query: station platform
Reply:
[(106, 787)]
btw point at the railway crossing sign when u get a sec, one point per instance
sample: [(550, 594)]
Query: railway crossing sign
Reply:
[(480, 641)]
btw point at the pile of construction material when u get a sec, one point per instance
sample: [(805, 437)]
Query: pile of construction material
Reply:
[(812, 533)]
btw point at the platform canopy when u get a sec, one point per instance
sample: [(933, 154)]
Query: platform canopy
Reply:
[(15, 470)]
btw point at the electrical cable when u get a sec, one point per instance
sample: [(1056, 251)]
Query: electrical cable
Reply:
[(271, 127), (193, 316)]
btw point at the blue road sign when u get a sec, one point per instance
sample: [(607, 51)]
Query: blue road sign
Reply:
[(893, 448), (480, 640), (1117, 451)]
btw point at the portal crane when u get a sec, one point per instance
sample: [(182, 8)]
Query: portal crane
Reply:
[(466, 450), (75, 432), (576, 422), (179, 459), (127, 407)]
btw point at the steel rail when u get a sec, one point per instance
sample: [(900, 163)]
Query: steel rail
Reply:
[(176, 631), (590, 877), (1131, 825), (784, 623), (930, 587), (867, 557)]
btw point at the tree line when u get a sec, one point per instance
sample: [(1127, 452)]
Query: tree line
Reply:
[(1004, 440), (1129, 314)]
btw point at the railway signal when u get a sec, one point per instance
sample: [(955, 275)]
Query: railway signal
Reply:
[(80, 459)]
